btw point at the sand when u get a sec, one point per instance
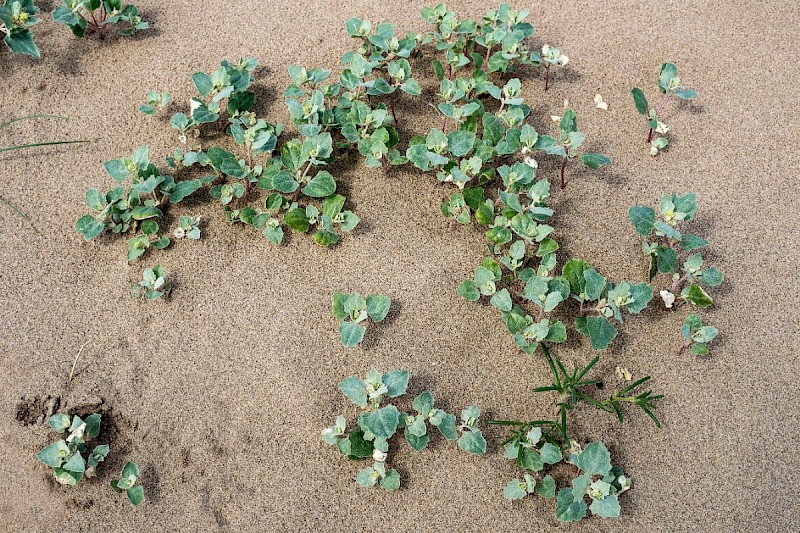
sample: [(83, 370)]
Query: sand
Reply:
[(221, 392)]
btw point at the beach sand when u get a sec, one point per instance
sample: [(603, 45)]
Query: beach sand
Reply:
[(220, 393)]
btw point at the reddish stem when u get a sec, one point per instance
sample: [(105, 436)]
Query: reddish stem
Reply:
[(547, 77), (563, 167)]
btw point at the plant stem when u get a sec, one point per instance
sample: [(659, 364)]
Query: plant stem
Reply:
[(34, 145), (661, 105), (20, 213), (677, 283), (547, 77), (488, 53), (563, 167), (391, 108), (75, 362)]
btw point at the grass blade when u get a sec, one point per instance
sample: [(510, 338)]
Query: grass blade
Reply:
[(34, 145), (31, 117)]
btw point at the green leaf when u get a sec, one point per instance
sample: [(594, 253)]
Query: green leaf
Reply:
[(685, 94), (382, 422), (365, 477), (337, 303), (354, 389), (641, 293), (594, 460), (468, 290), (600, 332), (472, 442), (668, 71), (608, 507), (690, 242), (417, 442), (391, 482), (21, 42), (297, 219), (573, 271), (89, 227), (546, 487), (396, 382), (595, 161), (697, 296), (447, 427), (325, 237), (550, 453), (75, 463), (643, 219), (595, 284), (321, 185), (378, 306), (515, 490), (640, 100), (55, 454), (135, 494), (667, 260), (359, 448), (711, 277), (460, 143), (351, 333), (59, 422), (203, 82), (502, 300), (568, 509), (93, 425), (423, 403), (183, 189), (531, 460)]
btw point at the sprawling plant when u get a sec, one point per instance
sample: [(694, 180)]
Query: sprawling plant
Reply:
[(668, 84), (674, 253), (70, 458), (16, 19), (379, 423), (536, 444), (93, 16), (696, 335), (352, 312)]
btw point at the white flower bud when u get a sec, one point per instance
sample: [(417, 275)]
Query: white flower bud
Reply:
[(379, 455), (662, 128), (653, 151), (564, 60), (179, 233), (531, 162), (668, 298)]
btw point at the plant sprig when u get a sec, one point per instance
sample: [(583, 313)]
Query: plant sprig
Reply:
[(70, 457), (352, 312), (669, 84), (16, 19), (379, 423)]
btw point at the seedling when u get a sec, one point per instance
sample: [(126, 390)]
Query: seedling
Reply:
[(127, 483), (188, 227), (70, 458), (156, 102), (352, 312), (153, 284), (568, 144), (92, 16), (552, 56), (668, 244), (697, 335), (16, 19), (668, 84), (377, 425)]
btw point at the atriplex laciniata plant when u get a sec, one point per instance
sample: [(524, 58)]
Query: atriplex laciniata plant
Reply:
[(361, 106), (82, 16), (377, 425), (70, 458), (674, 254), (16, 18), (538, 443), (697, 335), (668, 83), (352, 312), (153, 285), (127, 483)]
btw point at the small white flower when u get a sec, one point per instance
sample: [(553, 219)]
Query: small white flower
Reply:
[(662, 128), (653, 151), (599, 103), (668, 297), (379, 455), (546, 50), (531, 162), (564, 60), (193, 104), (179, 233), (555, 118)]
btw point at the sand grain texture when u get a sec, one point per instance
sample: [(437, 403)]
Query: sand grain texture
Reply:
[(213, 392)]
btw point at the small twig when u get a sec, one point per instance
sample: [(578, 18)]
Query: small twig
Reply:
[(75, 362)]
